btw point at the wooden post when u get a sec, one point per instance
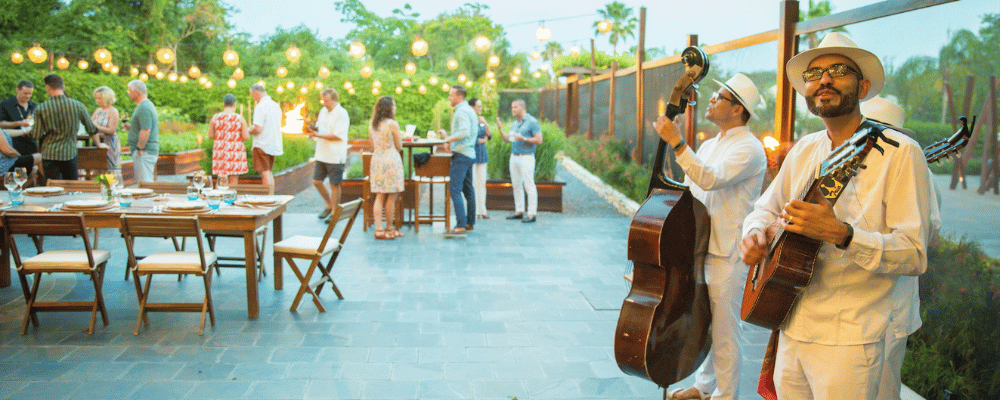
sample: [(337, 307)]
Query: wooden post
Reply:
[(640, 56), (970, 88), (691, 114), (950, 105), (988, 176), (958, 171), (593, 71), (541, 103), (784, 107), (611, 103)]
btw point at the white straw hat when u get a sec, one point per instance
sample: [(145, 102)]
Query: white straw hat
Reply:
[(884, 111), (745, 91), (837, 43)]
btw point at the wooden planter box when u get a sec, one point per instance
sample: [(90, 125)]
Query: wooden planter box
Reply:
[(500, 196), (360, 146), (179, 163), (290, 181)]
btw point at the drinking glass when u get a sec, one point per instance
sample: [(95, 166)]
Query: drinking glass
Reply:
[(222, 183), (198, 180), (214, 198), (119, 182), (193, 193), (10, 181), (229, 197), (16, 196), (20, 176), (124, 199)]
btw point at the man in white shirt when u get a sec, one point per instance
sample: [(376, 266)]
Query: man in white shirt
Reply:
[(330, 134), (266, 132), (726, 174), (831, 345)]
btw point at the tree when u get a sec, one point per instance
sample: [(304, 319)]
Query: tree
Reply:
[(818, 9), (552, 50), (970, 54), (623, 23)]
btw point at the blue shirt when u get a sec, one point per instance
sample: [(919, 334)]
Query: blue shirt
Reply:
[(527, 127), (462, 125), (7, 161), (482, 157)]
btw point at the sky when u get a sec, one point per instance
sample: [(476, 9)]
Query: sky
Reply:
[(893, 39)]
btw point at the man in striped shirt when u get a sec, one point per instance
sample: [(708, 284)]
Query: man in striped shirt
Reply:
[(56, 123)]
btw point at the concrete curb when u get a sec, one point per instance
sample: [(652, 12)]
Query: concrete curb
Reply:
[(622, 203)]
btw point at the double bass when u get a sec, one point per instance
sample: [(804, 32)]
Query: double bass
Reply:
[(662, 332)]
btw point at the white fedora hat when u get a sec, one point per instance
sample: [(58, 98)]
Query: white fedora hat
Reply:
[(745, 91), (837, 43), (884, 111)]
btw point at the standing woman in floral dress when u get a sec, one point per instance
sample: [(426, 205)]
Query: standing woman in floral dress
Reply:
[(229, 130), (105, 119), (386, 170)]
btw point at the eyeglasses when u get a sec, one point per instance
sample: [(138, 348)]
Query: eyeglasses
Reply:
[(835, 70), (716, 96)]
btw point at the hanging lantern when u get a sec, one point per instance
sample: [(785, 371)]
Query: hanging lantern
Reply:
[(462, 77), (452, 64), (399, 90), (107, 66), (482, 43), (366, 72), (165, 55), (134, 71), (468, 83), (324, 72), (238, 74), (151, 68), (159, 74), (208, 85), (62, 63), (604, 26), (419, 47), (357, 49), (143, 77), (202, 80), (290, 85), (350, 91), (37, 54), (375, 91), (280, 89), (376, 83), (433, 80), (16, 58), (538, 74), (183, 78), (545, 67), (517, 71), (293, 54), (574, 51), (535, 55), (281, 72), (543, 34), (83, 64), (490, 74), (319, 85), (172, 77), (422, 89), (231, 83), (514, 78), (102, 55), (445, 87), (261, 83), (115, 69), (304, 90), (230, 58), (347, 85), (410, 68), (494, 60), (493, 81), (194, 72), (406, 82)]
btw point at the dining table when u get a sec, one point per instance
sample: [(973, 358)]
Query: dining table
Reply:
[(243, 215)]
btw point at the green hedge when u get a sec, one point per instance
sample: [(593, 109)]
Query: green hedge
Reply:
[(297, 150), (605, 158), (553, 141)]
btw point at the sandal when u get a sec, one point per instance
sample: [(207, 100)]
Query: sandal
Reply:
[(395, 233), (675, 394), (383, 235)]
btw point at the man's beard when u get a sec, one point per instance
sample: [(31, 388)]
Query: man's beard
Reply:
[(848, 103)]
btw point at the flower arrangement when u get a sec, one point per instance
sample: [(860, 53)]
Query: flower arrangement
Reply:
[(106, 181)]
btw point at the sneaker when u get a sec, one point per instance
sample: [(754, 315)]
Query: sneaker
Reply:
[(454, 234), (325, 213)]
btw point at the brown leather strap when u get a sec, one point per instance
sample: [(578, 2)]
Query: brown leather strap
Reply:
[(765, 385)]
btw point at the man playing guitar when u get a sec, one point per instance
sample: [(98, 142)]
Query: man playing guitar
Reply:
[(726, 175), (831, 345)]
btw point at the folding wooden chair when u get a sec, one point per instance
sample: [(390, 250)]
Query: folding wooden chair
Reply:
[(166, 187), (314, 249), (76, 186), (260, 235), (87, 261), (91, 160), (197, 263)]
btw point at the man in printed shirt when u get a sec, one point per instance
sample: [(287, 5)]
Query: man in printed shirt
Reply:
[(56, 122), (726, 174), (463, 148), (832, 343), (330, 133)]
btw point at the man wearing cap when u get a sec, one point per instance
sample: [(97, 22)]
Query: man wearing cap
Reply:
[(905, 300), (832, 343), (726, 175)]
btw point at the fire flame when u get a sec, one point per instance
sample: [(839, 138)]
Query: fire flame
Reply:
[(294, 122)]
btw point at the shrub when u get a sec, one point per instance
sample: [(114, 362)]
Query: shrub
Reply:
[(606, 158), (553, 141), (297, 149)]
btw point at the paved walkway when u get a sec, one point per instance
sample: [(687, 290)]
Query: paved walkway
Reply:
[(525, 310)]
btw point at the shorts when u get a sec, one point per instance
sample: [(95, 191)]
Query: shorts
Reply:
[(262, 161), (323, 170)]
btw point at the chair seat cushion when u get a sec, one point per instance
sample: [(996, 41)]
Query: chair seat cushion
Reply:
[(305, 245), (65, 260), (174, 262), (432, 179)]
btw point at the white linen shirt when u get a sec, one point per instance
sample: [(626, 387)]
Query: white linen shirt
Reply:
[(726, 174), (267, 114), (338, 123), (889, 204)]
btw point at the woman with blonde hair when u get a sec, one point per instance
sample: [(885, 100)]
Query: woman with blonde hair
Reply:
[(105, 119), (386, 170)]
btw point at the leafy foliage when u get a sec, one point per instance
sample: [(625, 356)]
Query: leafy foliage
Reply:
[(606, 158), (602, 60), (623, 22)]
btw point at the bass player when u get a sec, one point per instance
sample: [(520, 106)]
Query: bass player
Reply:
[(832, 343)]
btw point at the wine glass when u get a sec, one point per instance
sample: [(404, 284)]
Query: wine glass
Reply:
[(119, 181), (198, 180), (10, 181), (20, 176), (222, 183)]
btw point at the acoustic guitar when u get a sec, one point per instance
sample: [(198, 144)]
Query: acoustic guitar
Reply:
[(662, 332), (775, 283)]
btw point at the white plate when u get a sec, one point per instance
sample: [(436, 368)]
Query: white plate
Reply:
[(137, 191), (257, 200), (44, 189), (92, 203), (185, 205)]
